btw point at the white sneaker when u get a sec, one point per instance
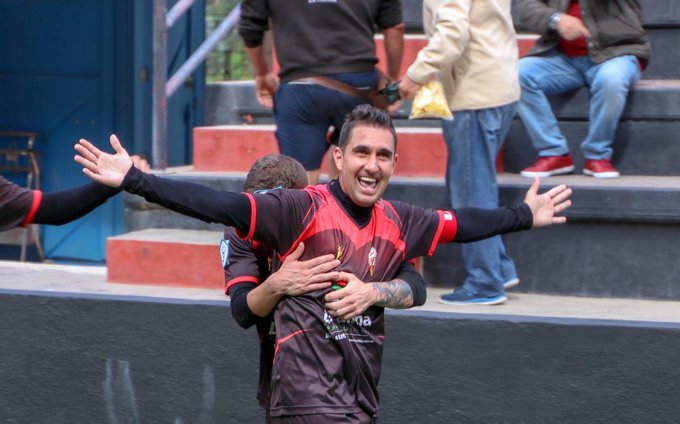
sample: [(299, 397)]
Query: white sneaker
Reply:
[(511, 283)]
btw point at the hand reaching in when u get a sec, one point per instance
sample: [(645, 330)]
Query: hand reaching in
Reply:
[(103, 168), (546, 206)]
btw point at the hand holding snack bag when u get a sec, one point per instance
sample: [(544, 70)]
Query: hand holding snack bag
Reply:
[(430, 102)]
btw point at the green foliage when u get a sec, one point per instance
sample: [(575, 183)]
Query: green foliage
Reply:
[(228, 61)]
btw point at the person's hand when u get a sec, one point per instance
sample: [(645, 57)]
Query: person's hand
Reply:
[(546, 206), (570, 28), (351, 300), (102, 167), (140, 163), (296, 277), (408, 88), (394, 106), (265, 87)]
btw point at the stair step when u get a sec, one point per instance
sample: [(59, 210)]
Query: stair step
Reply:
[(616, 243), (413, 43), (166, 257), (235, 148)]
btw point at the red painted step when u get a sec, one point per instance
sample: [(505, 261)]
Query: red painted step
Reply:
[(234, 148), (414, 43), (166, 257)]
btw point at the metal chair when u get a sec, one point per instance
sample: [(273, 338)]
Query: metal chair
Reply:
[(11, 161)]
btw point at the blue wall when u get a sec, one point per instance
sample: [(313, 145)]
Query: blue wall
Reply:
[(72, 69)]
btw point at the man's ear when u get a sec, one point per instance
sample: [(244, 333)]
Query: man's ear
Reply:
[(337, 157), (396, 159)]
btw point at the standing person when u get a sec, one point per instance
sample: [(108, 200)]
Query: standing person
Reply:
[(332, 39), (588, 43), (20, 206), (248, 265), (329, 343), (472, 50)]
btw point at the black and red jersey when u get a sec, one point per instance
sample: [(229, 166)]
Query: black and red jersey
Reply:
[(250, 263), (334, 364), (18, 205)]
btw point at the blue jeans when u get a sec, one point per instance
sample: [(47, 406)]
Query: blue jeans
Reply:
[(553, 73), (473, 139)]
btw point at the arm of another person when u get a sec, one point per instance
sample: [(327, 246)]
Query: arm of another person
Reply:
[(449, 37), (293, 278), (253, 24), (535, 15), (22, 206), (408, 289)]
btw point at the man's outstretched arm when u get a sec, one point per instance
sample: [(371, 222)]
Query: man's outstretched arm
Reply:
[(191, 199)]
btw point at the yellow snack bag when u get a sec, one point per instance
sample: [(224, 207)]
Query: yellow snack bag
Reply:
[(430, 102)]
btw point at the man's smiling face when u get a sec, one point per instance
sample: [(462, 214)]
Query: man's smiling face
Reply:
[(366, 163)]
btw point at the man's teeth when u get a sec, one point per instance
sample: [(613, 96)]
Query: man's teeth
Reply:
[(368, 180)]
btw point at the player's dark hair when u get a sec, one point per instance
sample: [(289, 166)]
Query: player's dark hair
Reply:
[(274, 171), (369, 116)]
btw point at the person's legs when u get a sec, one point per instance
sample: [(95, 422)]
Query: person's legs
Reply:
[(305, 112), (301, 127), (609, 83), (473, 139), (539, 77)]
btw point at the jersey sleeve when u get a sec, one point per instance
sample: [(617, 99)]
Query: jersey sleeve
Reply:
[(389, 14), (277, 217), (239, 261), (17, 204), (424, 228)]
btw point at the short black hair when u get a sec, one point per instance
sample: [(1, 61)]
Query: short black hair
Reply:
[(368, 115), (274, 170)]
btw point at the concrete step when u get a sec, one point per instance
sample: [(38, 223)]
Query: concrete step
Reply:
[(642, 146), (166, 257), (413, 43), (598, 253), (654, 100), (235, 148)]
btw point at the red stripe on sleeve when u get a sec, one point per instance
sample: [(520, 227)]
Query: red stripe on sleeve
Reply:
[(253, 217), (446, 231), (35, 205), (237, 280)]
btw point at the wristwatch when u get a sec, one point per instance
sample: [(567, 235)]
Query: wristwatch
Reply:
[(554, 20)]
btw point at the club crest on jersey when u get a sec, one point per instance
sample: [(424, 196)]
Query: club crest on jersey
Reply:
[(372, 256), (224, 252), (338, 253)]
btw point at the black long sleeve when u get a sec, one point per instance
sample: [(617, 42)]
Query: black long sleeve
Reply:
[(407, 272), (191, 199), (60, 207), (479, 223), (238, 305)]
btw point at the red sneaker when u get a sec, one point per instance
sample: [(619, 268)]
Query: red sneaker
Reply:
[(600, 168), (546, 166)]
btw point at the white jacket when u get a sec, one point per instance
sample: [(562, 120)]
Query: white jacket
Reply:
[(472, 50)]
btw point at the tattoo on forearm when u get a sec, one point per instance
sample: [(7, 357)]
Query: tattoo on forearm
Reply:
[(395, 294)]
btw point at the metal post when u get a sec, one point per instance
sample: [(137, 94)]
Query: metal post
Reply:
[(195, 60), (159, 120)]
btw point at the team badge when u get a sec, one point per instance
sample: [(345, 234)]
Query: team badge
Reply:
[(224, 252), (338, 253), (372, 256)]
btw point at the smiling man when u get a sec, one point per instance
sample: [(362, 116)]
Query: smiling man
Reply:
[(329, 342)]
